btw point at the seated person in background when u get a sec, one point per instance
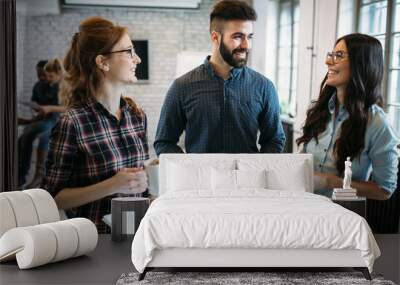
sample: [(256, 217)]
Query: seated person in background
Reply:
[(64, 93), (347, 121), (45, 92), (223, 105), (99, 145), (39, 87)]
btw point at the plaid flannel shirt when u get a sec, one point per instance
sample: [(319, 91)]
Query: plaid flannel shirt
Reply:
[(89, 145)]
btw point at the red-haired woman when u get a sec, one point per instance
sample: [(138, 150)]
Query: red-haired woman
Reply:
[(99, 145)]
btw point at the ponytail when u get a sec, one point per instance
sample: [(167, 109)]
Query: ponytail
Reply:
[(96, 36), (73, 77), (72, 64)]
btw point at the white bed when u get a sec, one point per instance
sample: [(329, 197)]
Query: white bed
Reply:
[(215, 211)]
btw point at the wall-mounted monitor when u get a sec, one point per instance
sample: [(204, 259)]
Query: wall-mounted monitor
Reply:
[(142, 50)]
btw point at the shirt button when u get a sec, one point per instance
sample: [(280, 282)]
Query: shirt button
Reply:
[(325, 150), (339, 120), (320, 165)]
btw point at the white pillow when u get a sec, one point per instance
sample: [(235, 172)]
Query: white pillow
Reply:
[(223, 179), (236, 179), (183, 177), (294, 179), (284, 172), (251, 178)]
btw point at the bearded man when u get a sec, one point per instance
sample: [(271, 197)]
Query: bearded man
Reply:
[(222, 105)]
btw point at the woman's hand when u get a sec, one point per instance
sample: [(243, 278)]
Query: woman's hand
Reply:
[(129, 181), (326, 181), (126, 181), (368, 189)]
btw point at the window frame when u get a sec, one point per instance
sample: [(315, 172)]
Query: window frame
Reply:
[(292, 91), (388, 51)]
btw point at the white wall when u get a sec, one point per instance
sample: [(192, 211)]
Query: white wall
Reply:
[(263, 57), (169, 32), (317, 34), (38, 7), (257, 55)]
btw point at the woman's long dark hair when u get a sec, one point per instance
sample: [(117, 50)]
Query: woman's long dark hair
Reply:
[(363, 90)]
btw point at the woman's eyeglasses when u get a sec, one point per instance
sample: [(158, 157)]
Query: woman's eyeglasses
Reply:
[(336, 56), (130, 51)]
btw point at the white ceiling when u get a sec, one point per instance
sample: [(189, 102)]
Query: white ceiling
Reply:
[(38, 7), (52, 7), (138, 3)]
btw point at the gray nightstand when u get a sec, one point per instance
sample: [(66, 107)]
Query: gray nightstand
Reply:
[(126, 205), (358, 206)]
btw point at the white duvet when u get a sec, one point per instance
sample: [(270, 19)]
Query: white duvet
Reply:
[(255, 218)]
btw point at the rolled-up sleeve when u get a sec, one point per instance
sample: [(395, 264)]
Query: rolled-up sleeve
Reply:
[(383, 154), (60, 159), (272, 137)]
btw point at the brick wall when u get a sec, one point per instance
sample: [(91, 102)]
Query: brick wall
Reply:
[(169, 31)]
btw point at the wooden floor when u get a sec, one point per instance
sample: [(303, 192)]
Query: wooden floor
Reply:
[(110, 260)]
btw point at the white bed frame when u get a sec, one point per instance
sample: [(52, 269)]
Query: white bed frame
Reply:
[(246, 258)]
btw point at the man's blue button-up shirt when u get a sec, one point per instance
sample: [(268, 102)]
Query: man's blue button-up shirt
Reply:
[(220, 116)]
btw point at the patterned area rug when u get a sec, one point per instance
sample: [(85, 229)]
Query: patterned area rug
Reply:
[(243, 278)]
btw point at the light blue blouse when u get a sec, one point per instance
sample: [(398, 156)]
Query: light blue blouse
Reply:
[(379, 156)]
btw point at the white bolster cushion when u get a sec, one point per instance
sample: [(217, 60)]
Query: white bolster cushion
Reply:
[(26, 208), (66, 238), (7, 218), (45, 205), (33, 246), (40, 244), (23, 208), (87, 235)]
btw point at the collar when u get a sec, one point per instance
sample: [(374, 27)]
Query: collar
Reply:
[(332, 104), (234, 71), (97, 105)]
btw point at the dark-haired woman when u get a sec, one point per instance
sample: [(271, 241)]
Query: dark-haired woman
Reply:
[(347, 121), (99, 145)]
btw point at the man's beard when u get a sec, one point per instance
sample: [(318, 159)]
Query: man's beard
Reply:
[(227, 55)]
